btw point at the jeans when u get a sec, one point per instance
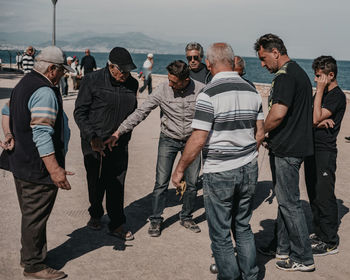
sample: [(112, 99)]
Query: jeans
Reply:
[(291, 223), (320, 182), (167, 151), (63, 86), (228, 198), (147, 83)]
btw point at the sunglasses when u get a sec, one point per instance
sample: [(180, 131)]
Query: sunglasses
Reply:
[(118, 68), (62, 69), (195, 57)]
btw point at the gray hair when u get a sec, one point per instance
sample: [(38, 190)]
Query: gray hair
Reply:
[(195, 46), (220, 53), (41, 66)]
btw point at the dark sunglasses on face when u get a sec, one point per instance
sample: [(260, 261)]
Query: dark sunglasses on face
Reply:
[(190, 57)]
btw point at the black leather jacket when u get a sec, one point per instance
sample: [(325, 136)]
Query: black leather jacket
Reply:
[(101, 106)]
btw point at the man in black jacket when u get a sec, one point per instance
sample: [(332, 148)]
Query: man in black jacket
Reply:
[(88, 63), (198, 70), (106, 98)]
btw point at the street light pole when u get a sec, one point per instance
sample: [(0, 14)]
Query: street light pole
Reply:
[(54, 23)]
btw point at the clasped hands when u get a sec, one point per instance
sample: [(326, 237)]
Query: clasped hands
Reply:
[(9, 142), (98, 145)]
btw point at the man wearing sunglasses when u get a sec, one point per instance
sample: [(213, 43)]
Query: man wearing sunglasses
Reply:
[(198, 70), (176, 99), (106, 98)]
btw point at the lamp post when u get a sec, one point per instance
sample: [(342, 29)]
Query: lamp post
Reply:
[(54, 23)]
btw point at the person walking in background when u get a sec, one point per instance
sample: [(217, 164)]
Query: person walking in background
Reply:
[(176, 100), (198, 70), (19, 60), (37, 135), (229, 126), (147, 74), (106, 98), (88, 63), (290, 140), (328, 112), (28, 60), (76, 76)]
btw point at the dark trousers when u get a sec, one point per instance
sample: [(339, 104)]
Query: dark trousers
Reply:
[(147, 82), (36, 202), (107, 177), (320, 182)]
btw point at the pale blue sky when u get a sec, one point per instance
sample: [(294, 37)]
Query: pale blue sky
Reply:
[(308, 27)]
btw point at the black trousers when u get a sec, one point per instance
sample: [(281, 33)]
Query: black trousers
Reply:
[(36, 202), (107, 175), (320, 182)]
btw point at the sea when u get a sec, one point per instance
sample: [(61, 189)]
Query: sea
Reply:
[(254, 71)]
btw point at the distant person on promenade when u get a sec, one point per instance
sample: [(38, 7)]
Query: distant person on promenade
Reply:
[(19, 60), (28, 60), (88, 63), (64, 80), (240, 69), (328, 112), (76, 75), (229, 127), (147, 74), (176, 100), (198, 70), (36, 140), (290, 140), (106, 98)]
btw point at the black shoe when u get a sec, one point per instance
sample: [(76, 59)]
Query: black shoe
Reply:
[(347, 138), (324, 249), (94, 224), (154, 229), (290, 265), (271, 252), (314, 239), (191, 225)]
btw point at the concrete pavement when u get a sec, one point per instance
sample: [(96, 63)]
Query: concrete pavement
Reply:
[(177, 253)]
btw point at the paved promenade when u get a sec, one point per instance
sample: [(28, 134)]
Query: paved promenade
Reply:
[(177, 253)]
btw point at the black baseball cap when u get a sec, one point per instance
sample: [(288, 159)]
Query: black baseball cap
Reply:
[(122, 58)]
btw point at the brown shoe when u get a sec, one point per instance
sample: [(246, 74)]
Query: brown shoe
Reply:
[(47, 273)]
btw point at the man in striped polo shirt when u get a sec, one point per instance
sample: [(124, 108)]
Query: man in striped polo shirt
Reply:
[(28, 60), (229, 126)]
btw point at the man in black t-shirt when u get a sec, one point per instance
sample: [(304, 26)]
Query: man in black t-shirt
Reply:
[(88, 63), (328, 112), (289, 128)]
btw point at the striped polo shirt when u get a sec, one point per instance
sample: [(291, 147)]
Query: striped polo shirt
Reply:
[(228, 108)]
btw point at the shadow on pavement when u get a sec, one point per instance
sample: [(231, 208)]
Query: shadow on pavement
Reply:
[(264, 236), (81, 242)]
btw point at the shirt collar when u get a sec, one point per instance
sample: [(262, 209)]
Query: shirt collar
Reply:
[(225, 74)]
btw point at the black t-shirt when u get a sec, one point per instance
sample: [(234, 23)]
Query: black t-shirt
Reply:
[(326, 138), (293, 137)]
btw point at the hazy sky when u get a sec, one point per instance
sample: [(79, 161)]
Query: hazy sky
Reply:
[(309, 28)]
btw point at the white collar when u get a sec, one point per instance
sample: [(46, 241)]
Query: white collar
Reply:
[(225, 74)]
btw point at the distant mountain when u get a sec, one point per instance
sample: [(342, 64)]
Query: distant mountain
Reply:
[(135, 42)]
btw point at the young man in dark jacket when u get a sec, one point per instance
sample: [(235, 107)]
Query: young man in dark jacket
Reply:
[(106, 98)]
